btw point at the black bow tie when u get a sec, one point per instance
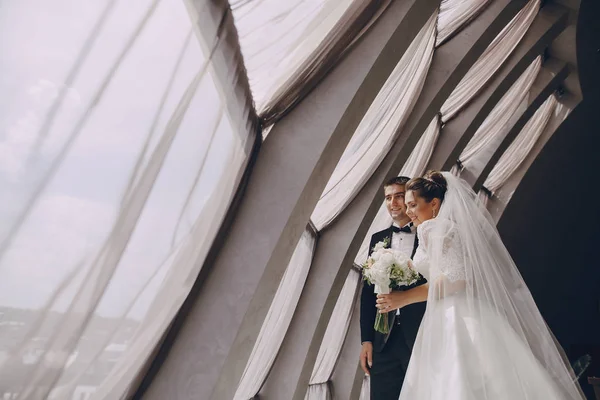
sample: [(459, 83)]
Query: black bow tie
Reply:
[(405, 229)]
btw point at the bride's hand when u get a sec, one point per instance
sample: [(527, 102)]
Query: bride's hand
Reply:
[(391, 302)]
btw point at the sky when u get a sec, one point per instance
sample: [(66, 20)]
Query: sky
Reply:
[(76, 209)]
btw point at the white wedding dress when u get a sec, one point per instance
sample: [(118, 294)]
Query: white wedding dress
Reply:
[(482, 337)]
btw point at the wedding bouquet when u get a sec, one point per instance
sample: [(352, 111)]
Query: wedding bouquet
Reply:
[(385, 269)]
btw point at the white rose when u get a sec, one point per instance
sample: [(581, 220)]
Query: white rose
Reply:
[(401, 258), (379, 246), (387, 258), (381, 280)]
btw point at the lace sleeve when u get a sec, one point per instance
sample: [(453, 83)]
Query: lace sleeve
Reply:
[(441, 242)]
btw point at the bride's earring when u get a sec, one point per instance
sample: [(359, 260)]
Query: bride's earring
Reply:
[(434, 213)]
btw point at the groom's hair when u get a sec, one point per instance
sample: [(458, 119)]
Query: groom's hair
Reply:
[(397, 180)]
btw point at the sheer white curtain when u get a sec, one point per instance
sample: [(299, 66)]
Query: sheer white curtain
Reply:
[(478, 75), (378, 128), (490, 61), (521, 146), (454, 15), (113, 188), (333, 340), (560, 113), (319, 392), (278, 319), (419, 158), (496, 124), (287, 45), (483, 197), (276, 36), (366, 148), (414, 166)]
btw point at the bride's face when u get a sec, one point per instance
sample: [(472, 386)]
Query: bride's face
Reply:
[(418, 209)]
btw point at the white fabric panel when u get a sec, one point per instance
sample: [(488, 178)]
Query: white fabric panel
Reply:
[(278, 37), (378, 129), (277, 320), (482, 195), (521, 146), (497, 123), (419, 158), (490, 61), (455, 170), (333, 340), (414, 166), (112, 192), (336, 330), (319, 391), (454, 14), (561, 112), (365, 390)]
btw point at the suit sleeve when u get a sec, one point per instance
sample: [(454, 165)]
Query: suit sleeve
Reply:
[(368, 311)]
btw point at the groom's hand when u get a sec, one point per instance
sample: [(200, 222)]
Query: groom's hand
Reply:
[(366, 357)]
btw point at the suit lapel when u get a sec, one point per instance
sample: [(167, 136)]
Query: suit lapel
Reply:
[(416, 245)]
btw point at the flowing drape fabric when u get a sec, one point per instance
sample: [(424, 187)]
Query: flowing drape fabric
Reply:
[(490, 61), (521, 146), (115, 185), (520, 149), (290, 45), (498, 122), (454, 15), (414, 166), (346, 182), (333, 340), (379, 127)]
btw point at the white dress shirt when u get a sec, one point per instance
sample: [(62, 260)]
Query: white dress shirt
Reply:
[(404, 242)]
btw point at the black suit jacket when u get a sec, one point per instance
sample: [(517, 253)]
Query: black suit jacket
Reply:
[(410, 316)]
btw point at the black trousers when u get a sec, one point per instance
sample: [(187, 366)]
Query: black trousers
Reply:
[(389, 367)]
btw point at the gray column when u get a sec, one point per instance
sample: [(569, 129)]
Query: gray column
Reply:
[(357, 384), (500, 199), (457, 133), (551, 76), (339, 243), (346, 367), (234, 291)]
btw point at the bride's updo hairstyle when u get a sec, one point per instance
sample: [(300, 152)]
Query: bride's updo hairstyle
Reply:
[(431, 186)]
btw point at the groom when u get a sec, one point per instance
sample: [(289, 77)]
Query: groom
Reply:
[(385, 357)]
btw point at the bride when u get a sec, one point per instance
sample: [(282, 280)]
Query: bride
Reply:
[(482, 336)]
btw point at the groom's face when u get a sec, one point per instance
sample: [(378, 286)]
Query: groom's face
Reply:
[(394, 201)]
